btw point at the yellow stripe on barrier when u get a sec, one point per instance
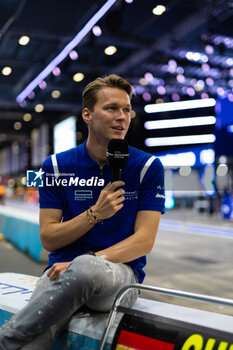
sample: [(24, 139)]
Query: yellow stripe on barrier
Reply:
[(122, 347)]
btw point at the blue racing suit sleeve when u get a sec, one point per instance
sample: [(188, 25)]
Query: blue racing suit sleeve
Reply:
[(152, 194)]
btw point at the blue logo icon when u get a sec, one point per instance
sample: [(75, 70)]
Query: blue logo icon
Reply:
[(35, 178)]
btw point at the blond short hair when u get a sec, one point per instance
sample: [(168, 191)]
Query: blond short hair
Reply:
[(89, 95)]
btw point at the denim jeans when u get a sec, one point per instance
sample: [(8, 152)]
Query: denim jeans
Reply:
[(89, 280)]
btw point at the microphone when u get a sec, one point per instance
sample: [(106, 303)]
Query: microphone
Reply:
[(117, 157)]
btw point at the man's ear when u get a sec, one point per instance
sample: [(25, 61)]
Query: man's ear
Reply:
[(87, 117)]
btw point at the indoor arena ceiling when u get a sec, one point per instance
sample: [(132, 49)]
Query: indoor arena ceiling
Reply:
[(186, 52)]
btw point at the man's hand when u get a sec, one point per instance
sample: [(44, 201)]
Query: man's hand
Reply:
[(54, 273), (110, 200)]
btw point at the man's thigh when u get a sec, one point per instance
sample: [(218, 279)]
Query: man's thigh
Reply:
[(115, 277), (42, 284), (108, 277)]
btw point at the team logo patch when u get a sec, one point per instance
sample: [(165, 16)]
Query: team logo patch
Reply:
[(80, 195)]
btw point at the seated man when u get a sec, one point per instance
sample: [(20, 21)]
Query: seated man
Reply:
[(98, 233)]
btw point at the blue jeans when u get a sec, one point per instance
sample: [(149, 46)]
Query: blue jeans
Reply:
[(89, 280)]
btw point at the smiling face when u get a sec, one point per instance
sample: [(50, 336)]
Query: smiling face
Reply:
[(110, 117)]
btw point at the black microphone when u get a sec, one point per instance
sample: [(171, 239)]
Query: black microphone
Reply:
[(117, 157)]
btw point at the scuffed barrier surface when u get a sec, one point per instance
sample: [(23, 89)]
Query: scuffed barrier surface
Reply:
[(84, 330)]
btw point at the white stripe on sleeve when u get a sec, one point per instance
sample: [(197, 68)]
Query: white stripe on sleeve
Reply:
[(146, 167), (55, 165)]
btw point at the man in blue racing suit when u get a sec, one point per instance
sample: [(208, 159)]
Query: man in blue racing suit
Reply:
[(97, 231)]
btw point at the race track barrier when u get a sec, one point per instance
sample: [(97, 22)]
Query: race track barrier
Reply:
[(21, 228), (154, 325), (85, 329), (147, 325)]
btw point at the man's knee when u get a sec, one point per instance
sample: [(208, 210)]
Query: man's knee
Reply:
[(90, 269)]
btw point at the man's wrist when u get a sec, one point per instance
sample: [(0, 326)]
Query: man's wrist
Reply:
[(92, 218), (96, 212)]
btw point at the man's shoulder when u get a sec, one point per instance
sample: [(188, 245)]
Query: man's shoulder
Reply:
[(141, 157), (67, 155), (138, 152), (63, 158)]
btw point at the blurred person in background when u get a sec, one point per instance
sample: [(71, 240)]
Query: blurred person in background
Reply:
[(97, 245)]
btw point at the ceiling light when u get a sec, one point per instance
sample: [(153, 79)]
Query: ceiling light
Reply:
[(180, 78), (209, 81), (110, 50), (196, 56), (65, 52), (6, 71), (221, 91), (222, 160), (146, 96), (23, 104), (221, 39), (205, 67), (159, 10), (17, 125), (56, 93), (193, 56), (96, 30), (185, 170), (3, 137), (78, 77), (229, 61), (140, 89), (222, 170), (56, 71), (129, 1), (143, 82), (171, 69), (175, 96), (209, 49), (204, 95), (32, 95), (178, 159), (207, 156), (180, 70), (199, 85), (43, 85), (133, 114), (179, 140), (24, 40), (149, 77), (180, 105), (179, 122), (161, 90), (73, 55), (39, 108), (172, 63), (190, 91), (27, 117), (184, 90)]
